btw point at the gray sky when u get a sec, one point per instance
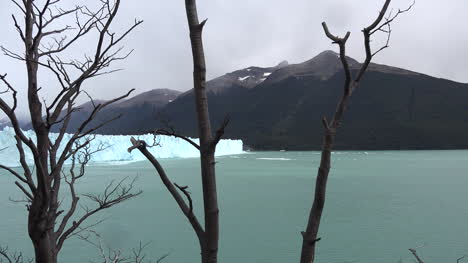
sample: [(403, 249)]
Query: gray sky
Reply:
[(432, 39)]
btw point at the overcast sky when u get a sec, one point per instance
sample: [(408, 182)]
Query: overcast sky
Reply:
[(432, 39)]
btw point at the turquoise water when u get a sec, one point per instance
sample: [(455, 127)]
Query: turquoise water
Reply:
[(378, 205)]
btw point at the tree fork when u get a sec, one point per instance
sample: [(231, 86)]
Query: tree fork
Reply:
[(310, 235)]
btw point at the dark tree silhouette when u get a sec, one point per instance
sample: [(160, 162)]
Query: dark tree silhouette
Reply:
[(208, 235), (381, 24), (46, 38)]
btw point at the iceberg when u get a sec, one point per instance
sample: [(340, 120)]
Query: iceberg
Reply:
[(115, 147)]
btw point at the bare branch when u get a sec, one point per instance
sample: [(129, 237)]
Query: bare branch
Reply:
[(9, 88), (61, 13), (109, 255), (11, 171), (220, 132), (371, 29), (82, 158), (3, 252), (187, 194), (18, 28), (15, 257), (83, 29), (335, 39), (171, 132), (187, 210), (19, 6), (80, 133), (28, 195), (160, 259), (391, 17), (10, 112), (330, 128), (114, 193), (341, 42), (415, 254)]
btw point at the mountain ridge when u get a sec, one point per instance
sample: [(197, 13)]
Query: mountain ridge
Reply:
[(280, 107)]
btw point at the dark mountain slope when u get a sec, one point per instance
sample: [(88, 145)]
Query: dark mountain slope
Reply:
[(393, 109), (281, 108), (137, 113)]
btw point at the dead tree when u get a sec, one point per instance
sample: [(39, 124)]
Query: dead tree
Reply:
[(414, 252), (12, 257), (46, 38), (381, 24), (110, 255), (416, 256), (209, 234)]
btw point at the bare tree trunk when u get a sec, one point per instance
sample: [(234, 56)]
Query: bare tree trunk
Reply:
[(42, 238), (207, 144), (44, 249), (310, 236), (38, 220), (208, 236)]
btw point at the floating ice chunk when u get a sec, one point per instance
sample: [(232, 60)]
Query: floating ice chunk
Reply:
[(274, 159)]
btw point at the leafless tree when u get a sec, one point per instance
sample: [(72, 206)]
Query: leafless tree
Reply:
[(47, 38), (414, 252), (208, 235), (381, 24), (15, 257), (109, 255)]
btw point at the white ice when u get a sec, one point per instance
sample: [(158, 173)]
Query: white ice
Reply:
[(117, 146), (274, 159)]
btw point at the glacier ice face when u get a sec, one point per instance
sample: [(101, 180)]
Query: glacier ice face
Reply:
[(116, 148)]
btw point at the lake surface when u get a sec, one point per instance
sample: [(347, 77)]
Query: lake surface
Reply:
[(379, 204)]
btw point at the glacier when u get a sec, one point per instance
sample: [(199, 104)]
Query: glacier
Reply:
[(116, 148)]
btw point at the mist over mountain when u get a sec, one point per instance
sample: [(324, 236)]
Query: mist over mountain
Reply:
[(281, 107)]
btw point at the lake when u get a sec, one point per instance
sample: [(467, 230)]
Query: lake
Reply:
[(379, 204)]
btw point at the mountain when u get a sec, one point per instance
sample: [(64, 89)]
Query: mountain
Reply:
[(281, 107), (138, 112), (393, 108), (244, 78), (4, 122)]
